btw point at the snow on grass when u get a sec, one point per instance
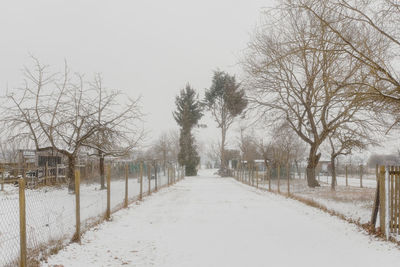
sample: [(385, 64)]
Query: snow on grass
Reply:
[(353, 202), (210, 221)]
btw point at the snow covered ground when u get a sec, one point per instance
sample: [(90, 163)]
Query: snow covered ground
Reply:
[(351, 201), (50, 214), (210, 221)]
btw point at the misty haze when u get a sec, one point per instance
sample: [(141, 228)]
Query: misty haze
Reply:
[(200, 133)]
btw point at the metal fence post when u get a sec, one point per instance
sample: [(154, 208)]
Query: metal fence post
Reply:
[(361, 175), (347, 173), (22, 222)]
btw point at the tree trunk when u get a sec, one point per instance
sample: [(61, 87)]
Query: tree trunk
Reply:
[(102, 180), (71, 173), (333, 169), (313, 160), (223, 136)]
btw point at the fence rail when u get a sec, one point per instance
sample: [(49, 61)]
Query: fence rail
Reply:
[(37, 220)]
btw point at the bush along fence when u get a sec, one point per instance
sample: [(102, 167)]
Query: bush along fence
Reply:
[(36, 221)]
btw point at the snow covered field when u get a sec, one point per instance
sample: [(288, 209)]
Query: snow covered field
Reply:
[(353, 202), (51, 214), (210, 221)]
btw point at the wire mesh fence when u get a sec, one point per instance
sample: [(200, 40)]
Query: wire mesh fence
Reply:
[(51, 209), (353, 196)]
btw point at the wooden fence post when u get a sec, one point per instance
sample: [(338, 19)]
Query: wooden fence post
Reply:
[(149, 176), (126, 185), (155, 176), (347, 173), (288, 178), (257, 176), (398, 200), (57, 180), (391, 191), (269, 179), (46, 171), (253, 182), (361, 175), (279, 178), (264, 175), (141, 181), (169, 176), (387, 197), (22, 222), (108, 212), (383, 176), (77, 237), (382, 204), (2, 180), (248, 175)]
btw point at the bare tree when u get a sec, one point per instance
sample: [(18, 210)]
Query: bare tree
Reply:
[(118, 119), (9, 150), (376, 44), (343, 141), (173, 137), (55, 112), (162, 147), (299, 74), (213, 153), (248, 145)]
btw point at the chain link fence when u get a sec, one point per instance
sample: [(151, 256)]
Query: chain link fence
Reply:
[(46, 219), (353, 196)]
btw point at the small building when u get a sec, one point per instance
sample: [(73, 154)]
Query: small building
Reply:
[(35, 158)]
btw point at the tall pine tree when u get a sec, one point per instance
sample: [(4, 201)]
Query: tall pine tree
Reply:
[(187, 115)]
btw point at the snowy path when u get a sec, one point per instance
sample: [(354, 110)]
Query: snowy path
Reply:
[(208, 221)]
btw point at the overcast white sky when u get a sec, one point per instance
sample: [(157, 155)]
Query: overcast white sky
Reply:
[(148, 48)]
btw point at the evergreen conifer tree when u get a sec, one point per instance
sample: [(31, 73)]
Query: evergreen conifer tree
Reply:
[(187, 115)]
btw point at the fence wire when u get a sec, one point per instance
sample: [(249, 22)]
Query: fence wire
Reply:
[(51, 207), (355, 200)]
